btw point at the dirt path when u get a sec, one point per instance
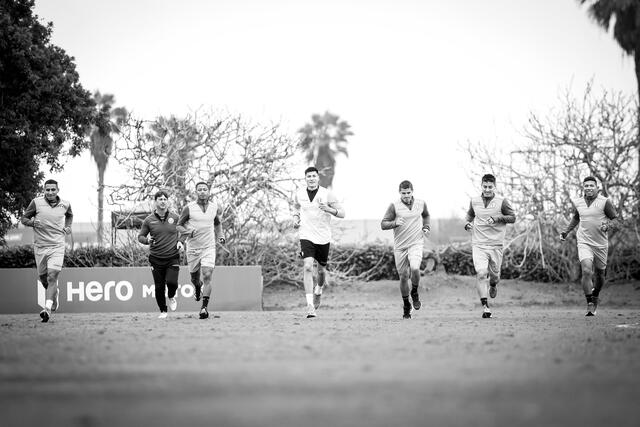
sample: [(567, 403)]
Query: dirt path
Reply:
[(538, 362)]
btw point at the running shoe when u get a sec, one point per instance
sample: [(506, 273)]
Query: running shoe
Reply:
[(56, 300), (591, 309), (173, 304), (317, 295), (486, 312), (415, 299), (204, 314), (311, 311), (493, 291), (163, 315), (44, 315), (407, 312)]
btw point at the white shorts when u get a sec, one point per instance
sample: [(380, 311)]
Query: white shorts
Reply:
[(205, 257), (485, 259), (597, 255), (407, 259), (49, 258)]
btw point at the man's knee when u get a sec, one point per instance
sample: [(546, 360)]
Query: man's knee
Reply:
[(52, 276), (483, 273), (586, 265), (404, 276), (207, 273), (308, 267)]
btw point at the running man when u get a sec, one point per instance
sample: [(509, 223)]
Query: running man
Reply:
[(595, 216), (487, 220), (51, 219), (408, 217), (159, 232), (314, 206), (200, 222)]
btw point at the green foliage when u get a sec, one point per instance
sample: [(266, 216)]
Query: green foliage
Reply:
[(42, 106)]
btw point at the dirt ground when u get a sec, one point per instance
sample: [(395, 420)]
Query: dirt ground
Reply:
[(537, 362)]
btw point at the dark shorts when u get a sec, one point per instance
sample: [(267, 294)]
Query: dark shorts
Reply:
[(320, 253)]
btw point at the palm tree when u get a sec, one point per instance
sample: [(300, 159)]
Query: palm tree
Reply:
[(101, 144), (322, 140), (625, 14)]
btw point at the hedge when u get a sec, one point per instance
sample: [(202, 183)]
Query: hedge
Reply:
[(281, 263)]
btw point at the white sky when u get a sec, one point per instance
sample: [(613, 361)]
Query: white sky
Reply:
[(414, 78)]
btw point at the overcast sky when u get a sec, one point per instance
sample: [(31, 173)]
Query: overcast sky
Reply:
[(415, 79)]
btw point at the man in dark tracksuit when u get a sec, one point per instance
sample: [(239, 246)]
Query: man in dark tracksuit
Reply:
[(159, 232)]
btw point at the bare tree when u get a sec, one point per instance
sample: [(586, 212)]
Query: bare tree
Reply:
[(592, 135), (247, 166)]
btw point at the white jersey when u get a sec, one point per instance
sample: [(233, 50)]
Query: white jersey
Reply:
[(409, 234), (203, 222), (591, 218), (315, 224)]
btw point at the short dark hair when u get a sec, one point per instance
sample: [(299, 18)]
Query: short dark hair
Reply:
[(51, 181), (405, 184), (311, 169), (159, 194), (590, 178), (202, 183), (488, 178)]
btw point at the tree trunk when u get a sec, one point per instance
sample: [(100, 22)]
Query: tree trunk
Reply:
[(100, 231), (637, 63)]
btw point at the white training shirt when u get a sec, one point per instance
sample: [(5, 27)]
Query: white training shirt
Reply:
[(315, 224), (203, 222), (591, 218)]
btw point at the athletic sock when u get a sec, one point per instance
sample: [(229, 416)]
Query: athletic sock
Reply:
[(595, 292), (205, 302), (484, 302), (406, 301), (309, 298), (589, 298), (414, 290), (48, 304)]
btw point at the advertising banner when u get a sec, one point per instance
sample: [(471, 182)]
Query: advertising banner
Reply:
[(127, 289)]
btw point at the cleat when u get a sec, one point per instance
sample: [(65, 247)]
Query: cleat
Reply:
[(407, 312), (173, 304), (486, 312), (493, 291), (415, 299), (198, 293), (44, 315), (311, 311), (163, 315), (204, 314), (317, 295), (56, 300), (591, 310)]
